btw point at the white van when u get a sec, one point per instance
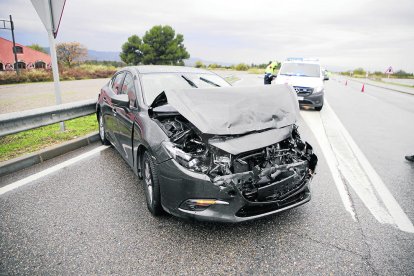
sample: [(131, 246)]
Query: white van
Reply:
[(307, 78)]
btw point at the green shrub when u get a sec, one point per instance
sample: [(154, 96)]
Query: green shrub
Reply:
[(241, 67), (84, 71), (25, 76), (96, 67), (402, 74), (359, 71), (116, 64), (214, 66), (199, 64)]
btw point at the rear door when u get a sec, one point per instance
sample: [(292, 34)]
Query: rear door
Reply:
[(125, 118), (109, 111)]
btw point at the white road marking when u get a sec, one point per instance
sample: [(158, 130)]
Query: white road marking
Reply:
[(50, 170), (351, 163), (313, 120)]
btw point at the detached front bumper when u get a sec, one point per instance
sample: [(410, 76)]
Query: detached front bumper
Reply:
[(178, 185)]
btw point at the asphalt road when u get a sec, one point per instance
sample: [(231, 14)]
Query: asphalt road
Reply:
[(17, 97), (91, 217)]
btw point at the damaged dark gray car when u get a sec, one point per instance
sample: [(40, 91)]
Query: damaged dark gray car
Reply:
[(207, 150)]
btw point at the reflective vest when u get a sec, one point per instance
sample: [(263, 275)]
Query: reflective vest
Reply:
[(271, 68)]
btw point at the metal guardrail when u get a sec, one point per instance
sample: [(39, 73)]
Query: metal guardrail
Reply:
[(15, 122)]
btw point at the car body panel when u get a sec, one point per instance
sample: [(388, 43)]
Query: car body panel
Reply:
[(252, 141), (107, 109), (181, 184), (233, 110)]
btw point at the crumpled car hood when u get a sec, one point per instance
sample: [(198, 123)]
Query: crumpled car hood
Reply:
[(236, 110)]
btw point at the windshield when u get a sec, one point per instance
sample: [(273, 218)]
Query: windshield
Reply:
[(300, 69), (154, 84)]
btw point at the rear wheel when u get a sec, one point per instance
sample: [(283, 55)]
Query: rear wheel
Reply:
[(319, 108), (102, 134), (151, 185)]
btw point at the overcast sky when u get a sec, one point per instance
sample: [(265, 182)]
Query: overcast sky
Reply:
[(373, 34)]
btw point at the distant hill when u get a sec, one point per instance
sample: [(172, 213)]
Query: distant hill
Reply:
[(114, 56), (192, 60), (98, 55), (103, 55)]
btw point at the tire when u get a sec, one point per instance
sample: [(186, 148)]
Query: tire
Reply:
[(151, 185), (319, 108), (102, 135)]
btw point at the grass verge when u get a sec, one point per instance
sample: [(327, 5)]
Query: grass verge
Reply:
[(256, 71), (396, 83), (15, 145)]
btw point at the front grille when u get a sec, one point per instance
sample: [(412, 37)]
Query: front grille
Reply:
[(303, 91), (258, 209)]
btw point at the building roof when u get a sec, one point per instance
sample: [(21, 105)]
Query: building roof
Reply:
[(28, 55)]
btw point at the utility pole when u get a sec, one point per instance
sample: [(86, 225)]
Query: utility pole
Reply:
[(16, 65)]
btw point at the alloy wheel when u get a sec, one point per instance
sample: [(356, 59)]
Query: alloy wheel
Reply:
[(148, 181), (101, 128)]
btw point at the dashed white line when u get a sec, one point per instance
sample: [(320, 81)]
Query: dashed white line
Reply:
[(50, 170)]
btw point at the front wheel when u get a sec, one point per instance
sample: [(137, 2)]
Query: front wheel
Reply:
[(319, 108), (102, 135), (151, 185)]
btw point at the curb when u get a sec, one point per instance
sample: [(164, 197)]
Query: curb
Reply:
[(388, 88), (40, 156)]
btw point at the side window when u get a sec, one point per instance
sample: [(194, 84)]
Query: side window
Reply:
[(128, 88), (117, 81)]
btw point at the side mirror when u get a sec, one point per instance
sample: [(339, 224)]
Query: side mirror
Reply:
[(121, 100)]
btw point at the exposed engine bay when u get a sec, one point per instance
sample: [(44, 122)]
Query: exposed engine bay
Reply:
[(265, 174)]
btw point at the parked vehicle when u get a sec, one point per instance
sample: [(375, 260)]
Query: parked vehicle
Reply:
[(207, 150), (307, 78)]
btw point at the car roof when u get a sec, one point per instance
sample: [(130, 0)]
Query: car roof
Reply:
[(302, 61), (148, 69)]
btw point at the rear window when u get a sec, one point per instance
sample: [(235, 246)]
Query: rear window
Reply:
[(154, 84), (300, 69)]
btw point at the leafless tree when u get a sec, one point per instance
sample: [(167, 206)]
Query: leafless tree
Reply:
[(70, 53)]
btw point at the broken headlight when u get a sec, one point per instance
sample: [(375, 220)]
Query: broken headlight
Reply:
[(318, 90), (188, 161)]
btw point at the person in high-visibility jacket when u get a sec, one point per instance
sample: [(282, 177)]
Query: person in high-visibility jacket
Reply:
[(270, 72)]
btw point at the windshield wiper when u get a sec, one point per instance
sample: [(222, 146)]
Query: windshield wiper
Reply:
[(209, 82), (190, 82)]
